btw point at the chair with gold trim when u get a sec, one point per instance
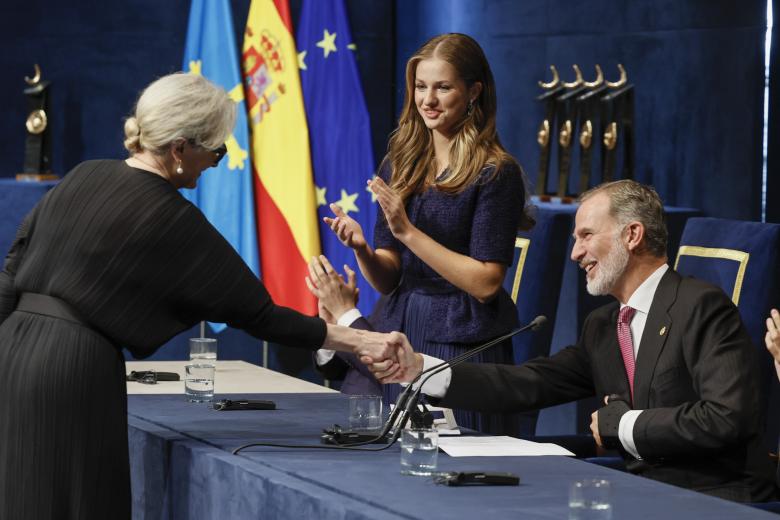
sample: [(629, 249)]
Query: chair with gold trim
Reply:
[(534, 283), (742, 258)]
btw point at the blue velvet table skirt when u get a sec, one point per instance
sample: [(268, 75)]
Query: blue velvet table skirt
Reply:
[(182, 468), (17, 198)]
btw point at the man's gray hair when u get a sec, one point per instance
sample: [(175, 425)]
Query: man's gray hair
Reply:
[(632, 201)]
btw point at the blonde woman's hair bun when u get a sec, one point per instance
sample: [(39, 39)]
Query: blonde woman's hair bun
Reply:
[(133, 135)]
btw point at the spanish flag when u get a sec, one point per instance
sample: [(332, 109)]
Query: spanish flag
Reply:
[(284, 187)]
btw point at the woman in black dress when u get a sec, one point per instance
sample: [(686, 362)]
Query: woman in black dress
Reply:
[(115, 257)]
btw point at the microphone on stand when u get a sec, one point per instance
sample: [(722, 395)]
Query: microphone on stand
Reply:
[(406, 403)]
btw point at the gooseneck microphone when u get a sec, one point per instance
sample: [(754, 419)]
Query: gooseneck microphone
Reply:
[(405, 404), (408, 399)]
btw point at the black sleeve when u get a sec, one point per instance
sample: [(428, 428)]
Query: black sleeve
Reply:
[(215, 284), (541, 382), (8, 296), (720, 359), (335, 369)]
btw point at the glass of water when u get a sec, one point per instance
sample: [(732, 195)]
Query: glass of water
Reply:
[(365, 412), (204, 349), (419, 451), (199, 382), (590, 499)]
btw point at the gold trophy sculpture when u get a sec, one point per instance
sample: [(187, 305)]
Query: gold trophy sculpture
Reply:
[(37, 148)]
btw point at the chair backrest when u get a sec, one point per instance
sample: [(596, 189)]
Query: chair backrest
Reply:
[(534, 283), (742, 258)]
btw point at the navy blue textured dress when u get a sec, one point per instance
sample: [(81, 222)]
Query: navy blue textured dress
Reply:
[(440, 319)]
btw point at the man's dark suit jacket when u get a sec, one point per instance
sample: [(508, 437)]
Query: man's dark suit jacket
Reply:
[(696, 380), (358, 379)]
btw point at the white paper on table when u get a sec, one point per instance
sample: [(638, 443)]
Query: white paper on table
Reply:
[(499, 446)]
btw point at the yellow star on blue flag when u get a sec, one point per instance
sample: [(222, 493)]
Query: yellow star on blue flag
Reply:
[(347, 202), (328, 42), (321, 201)]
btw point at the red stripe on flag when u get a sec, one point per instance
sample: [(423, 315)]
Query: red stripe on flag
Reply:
[(283, 7), (282, 266)]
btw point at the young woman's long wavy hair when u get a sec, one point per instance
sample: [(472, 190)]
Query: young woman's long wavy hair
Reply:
[(476, 143)]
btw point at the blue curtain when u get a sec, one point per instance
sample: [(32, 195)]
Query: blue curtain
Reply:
[(698, 68)]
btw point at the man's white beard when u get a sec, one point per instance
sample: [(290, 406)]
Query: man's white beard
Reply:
[(610, 268)]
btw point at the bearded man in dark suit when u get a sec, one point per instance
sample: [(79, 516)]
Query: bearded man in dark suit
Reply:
[(670, 360)]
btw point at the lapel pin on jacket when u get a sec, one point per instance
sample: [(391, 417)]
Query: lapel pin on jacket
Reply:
[(662, 331)]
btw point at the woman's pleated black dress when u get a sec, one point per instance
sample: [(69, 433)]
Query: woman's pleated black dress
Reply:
[(139, 264)]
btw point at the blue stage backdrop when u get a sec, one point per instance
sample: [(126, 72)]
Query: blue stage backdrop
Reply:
[(773, 144), (698, 68), (100, 54)]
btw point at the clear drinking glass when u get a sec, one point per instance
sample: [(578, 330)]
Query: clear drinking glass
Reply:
[(365, 412), (419, 451), (590, 499), (204, 349), (199, 382)]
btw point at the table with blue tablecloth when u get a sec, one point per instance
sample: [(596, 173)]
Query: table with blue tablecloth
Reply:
[(17, 198), (182, 467)]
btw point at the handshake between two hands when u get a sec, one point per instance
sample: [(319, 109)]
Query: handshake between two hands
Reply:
[(389, 357)]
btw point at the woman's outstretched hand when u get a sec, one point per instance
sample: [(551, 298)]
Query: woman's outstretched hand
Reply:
[(346, 228)]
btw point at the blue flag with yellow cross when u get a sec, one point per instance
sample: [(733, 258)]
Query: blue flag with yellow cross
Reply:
[(224, 194), (339, 128)]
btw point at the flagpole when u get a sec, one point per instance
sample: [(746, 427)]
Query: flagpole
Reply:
[(202, 329), (265, 354)]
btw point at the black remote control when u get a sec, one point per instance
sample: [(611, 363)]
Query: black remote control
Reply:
[(243, 404), (468, 478)]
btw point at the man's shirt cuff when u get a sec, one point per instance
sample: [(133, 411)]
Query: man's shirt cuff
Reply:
[(438, 384), (626, 431), (323, 356), (349, 317)]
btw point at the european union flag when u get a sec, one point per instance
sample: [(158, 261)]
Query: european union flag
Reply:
[(224, 194), (339, 128)]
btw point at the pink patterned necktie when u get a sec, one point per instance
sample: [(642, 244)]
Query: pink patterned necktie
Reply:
[(626, 343)]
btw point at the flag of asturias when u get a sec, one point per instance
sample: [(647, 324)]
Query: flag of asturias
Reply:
[(339, 128), (286, 206), (224, 194)]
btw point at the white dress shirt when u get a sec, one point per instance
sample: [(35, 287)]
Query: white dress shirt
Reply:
[(641, 300)]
